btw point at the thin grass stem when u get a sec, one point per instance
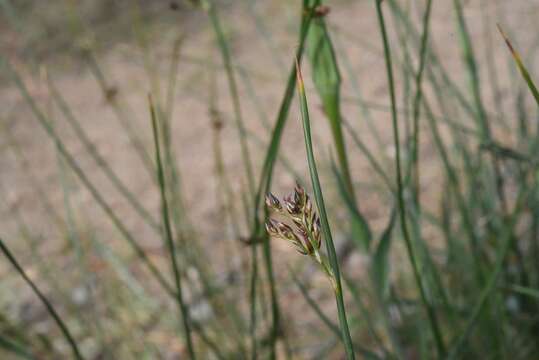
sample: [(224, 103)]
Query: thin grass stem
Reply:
[(65, 331), (400, 190), (330, 247), (168, 235)]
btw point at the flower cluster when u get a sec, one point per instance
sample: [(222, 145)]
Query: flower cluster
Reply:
[(298, 208), (305, 234)]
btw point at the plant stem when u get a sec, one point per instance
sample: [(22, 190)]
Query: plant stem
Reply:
[(209, 6), (414, 163), (266, 177), (44, 300), (168, 234), (330, 247), (45, 124), (400, 191), (507, 241)]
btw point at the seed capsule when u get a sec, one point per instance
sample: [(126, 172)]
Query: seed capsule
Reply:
[(299, 194)]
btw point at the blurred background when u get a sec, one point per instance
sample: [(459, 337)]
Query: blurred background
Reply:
[(78, 177)]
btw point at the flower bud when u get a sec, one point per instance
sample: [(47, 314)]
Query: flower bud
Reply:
[(299, 194), (308, 207), (305, 242), (285, 230), (298, 221), (316, 231), (299, 189), (291, 205), (271, 228), (272, 202)]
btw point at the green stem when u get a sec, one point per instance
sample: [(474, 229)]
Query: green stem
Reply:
[(266, 177), (44, 300), (507, 241), (323, 261), (330, 247), (168, 234), (100, 160), (400, 190), (417, 103), (227, 60), (45, 124)]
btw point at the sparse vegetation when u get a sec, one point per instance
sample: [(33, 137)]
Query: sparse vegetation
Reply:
[(150, 230)]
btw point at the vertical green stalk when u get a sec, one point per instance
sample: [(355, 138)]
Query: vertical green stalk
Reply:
[(209, 6), (330, 247), (334, 328), (417, 103), (273, 148), (44, 300), (267, 172), (498, 180), (473, 72), (168, 234), (486, 134), (507, 240), (400, 190)]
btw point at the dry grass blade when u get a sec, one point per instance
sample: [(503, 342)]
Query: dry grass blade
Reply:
[(520, 65)]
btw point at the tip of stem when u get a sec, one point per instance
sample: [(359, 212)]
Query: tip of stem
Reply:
[(299, 77), (508, 42)]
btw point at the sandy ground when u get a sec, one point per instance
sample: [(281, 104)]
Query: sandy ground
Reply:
[(354, 25)]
